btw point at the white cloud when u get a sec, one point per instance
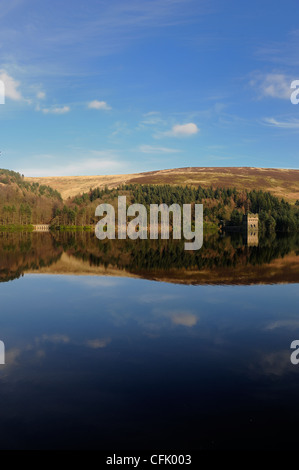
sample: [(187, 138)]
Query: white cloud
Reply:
[(11, 86), (41, 95), (156, 150), (57, 110), (107, 164), (273, 85), (182, 130), (290, 124), (99, 105)]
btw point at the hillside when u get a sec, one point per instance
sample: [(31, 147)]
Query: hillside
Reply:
[(280, 182), (226, 194), (23, 202)]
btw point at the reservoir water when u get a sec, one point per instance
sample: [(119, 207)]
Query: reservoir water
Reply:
[(140, 346)]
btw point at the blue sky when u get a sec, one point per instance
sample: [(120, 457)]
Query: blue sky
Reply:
[(114, 86)]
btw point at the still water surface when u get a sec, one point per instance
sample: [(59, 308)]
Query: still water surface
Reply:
[(122, 361)]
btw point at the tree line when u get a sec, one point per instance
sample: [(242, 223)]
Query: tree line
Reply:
[(221, 206), (30, 203)]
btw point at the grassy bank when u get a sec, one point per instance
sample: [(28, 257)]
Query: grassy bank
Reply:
[(72, 228), (207, 226), (16, 228)]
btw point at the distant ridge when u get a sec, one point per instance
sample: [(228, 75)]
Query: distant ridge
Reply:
[(283, 183)]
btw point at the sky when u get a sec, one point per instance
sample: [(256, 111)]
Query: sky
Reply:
[(121, 86)]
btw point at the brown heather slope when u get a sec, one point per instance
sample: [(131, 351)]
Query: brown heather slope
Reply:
[(279, 271), (280, 182)]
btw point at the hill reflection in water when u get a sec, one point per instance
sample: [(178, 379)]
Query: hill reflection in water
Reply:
[(223, 259)]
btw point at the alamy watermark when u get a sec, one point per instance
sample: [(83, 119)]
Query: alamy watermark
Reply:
[(2, 92), (295, 354), (138, 227), (2, 353), (295, 94)]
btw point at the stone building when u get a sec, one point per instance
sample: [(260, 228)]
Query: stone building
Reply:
[(250, 226), (251, 222), (250, 237), (41, 228)]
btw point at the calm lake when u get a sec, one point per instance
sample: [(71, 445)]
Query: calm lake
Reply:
[(141, 345)]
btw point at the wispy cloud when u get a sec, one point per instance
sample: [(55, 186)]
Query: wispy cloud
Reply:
[(291, 324), (55, 110), (151, 149), (274, 363), (121, 128), (105, 282), (289, 124), (99, 105), (112, 23), (55, 339), (151, 119), (8, 5), (179, 317), (98, 343), (151, 298), (151, 113), (55, 40), (284, 52), (41, 95), (184, 318), (273, 85)]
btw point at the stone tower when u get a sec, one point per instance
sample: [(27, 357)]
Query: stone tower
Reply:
[(251, 222), (250, 228)]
